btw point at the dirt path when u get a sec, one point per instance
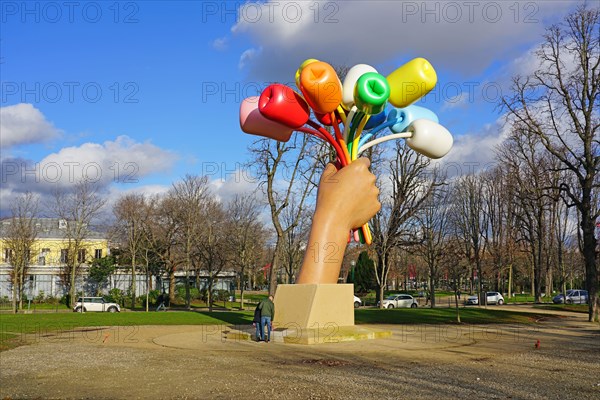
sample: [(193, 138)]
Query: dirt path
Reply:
[(424, 361)]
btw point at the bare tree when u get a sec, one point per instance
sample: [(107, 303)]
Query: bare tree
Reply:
[(19, 238), (434, 230), (191, 194), (496, 209), (561, 232), (470, 223), (131, 213), (77, 209), (292, 162), (294, 240), (163, 236), (246, 238), (453, 262), (395, 225), (528, 166), (559, 104), (211, 251)]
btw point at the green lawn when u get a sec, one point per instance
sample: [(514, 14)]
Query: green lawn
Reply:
[(12, 326), (253, 297), (443, 316), (32, 322), (33, 306), (525, 298)]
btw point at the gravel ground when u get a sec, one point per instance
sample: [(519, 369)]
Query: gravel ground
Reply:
[(485, 362)]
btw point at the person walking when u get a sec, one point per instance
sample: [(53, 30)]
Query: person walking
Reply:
[(162, 298), (257, 324), (267, 313)]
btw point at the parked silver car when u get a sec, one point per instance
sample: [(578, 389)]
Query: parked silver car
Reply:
[(400, 301), (574, 296), (491, 297), (95, 304)]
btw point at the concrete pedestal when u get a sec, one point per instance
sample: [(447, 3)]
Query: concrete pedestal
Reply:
[(318, 313), (314, 306)]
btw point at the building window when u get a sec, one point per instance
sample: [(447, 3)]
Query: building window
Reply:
[(64, 256), (42, 257), (81, 256), (98, 253), (7, 255)]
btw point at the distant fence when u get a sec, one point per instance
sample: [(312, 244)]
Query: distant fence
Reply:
[(34, 307)]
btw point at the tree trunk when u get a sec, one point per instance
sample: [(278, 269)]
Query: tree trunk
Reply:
[(188, 300), (480, 293), (432, 289), (589, 255), (273, 270), (242, 286), (538, 257), (172, 285), (381, 274), (471, 281), (456, 303), (533, 279), (209, 294), (14, 292), (21, 287), (148, 281), (133, 288), (510, 278), (72, 287)]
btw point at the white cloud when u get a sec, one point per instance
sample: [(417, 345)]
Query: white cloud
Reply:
[(475, 150), (123, 161), (115, 192), (462, 36), (220, 44), (247, 57), (22, 124), (458, 101), (238, 183)]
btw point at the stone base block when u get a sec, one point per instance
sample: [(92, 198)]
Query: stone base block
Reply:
[(314, 306)]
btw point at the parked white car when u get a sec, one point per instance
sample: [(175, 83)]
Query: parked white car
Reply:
[(95, 304), (357, 302), (400, 301), (491, 297)]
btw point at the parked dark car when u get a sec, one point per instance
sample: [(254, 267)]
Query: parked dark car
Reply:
[(574, 296)]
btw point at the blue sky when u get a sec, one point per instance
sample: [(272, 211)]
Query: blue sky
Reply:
[(151, 89)]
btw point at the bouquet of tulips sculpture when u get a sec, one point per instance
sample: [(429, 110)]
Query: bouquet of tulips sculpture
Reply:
[(355, 110)]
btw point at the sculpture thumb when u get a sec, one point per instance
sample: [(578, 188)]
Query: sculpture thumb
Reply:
[(330, 169)]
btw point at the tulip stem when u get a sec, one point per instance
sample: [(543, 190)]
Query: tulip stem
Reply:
[(403, 135)]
